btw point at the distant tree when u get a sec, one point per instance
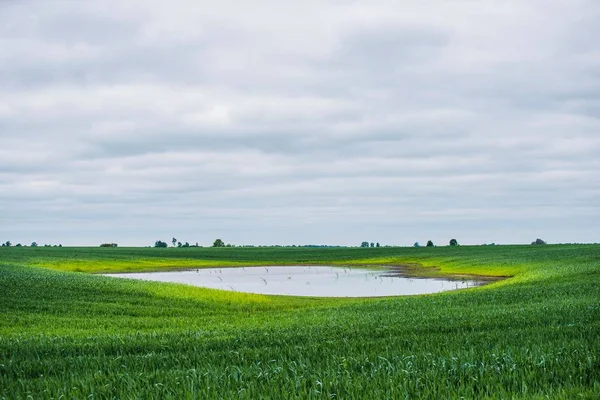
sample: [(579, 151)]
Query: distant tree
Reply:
[(108, 245), (186, 244), (19, 245), (174, 241), (377, 244), (372, 244), (364, 244), (8, 243), (218, 243), (453, 242), (416, 244), (159, 243), (429, 243), (538, 241), (34, 244), (179, 244)]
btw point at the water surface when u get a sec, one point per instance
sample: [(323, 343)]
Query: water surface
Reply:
[(317, 281)]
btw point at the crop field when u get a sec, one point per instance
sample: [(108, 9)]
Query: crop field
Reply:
[(67, 332)]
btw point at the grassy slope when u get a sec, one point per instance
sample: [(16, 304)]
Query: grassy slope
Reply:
[(536, 334)]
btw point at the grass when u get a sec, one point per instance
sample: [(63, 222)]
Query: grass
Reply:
[(75, 335)]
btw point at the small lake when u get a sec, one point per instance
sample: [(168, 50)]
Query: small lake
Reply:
[(318, 281)]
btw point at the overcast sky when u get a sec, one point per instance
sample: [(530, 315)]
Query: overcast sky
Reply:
[(279, 122)]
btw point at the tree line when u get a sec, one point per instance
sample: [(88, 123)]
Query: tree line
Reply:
[(453, 242), (33, 244), (177, 243), (221, 243)]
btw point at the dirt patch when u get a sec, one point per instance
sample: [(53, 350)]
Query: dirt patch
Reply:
[(417, 271)]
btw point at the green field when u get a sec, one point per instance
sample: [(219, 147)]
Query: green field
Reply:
[(66, 333)]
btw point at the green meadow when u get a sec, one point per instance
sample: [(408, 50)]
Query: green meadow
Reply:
[(68, 333)]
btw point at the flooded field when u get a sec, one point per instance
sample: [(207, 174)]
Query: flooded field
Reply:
[(317, 281)]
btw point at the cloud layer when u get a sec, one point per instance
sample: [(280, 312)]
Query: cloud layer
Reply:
[(320, 122)]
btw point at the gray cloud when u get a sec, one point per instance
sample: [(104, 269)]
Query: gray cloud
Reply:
[(321, 122)]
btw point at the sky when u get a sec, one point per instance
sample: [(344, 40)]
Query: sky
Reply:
[(313, 122)]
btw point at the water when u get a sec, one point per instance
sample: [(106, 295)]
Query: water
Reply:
[(305, 281)]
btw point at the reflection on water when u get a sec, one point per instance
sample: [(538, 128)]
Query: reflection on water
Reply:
[(305, 281)]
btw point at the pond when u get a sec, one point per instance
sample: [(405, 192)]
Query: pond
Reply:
[(316, 281)]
